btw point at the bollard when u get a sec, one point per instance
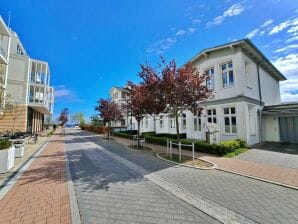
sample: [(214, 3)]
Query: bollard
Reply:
[(167, 146), (179, 151), (193, 152), (171, 149)]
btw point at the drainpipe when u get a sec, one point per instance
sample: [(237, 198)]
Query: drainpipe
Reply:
[(261, 104)]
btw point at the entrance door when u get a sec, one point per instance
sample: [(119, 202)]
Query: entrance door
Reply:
[(288, 129)]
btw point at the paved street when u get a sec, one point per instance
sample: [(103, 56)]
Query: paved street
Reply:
[(109, 190)]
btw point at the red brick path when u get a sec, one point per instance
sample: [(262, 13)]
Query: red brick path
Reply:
[(40, 195)]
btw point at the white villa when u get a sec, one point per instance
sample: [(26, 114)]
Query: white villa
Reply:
[(245, 104)]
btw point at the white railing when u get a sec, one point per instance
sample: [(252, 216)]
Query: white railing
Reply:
[(170, 144), (136, 139)]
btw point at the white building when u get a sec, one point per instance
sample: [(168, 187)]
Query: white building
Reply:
[(28, 83), (245, 103)]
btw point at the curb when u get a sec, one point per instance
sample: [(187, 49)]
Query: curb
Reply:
[(12, 179), (258, 178), (189, 166), (126, 146), (74, 208)]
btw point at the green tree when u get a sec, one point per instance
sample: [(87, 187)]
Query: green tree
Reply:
[(78, 118)]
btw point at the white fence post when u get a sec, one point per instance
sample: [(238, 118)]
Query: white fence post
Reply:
[(170, 149), (179, 144), (167, 146), (193, 152)]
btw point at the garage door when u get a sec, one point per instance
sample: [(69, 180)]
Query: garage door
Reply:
[(288, 129)]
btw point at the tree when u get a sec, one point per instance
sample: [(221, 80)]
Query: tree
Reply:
[(96, 120), (182, 89), (109, 111), (78, 118), (14, 110), (63, 117), (48, 120), (138, 103)]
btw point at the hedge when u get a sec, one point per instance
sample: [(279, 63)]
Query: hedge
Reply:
[(200, 146), (96, 129)]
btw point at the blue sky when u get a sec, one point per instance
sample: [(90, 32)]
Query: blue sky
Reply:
[(92, 45)]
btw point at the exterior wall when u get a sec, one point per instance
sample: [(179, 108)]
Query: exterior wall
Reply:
[(6, 122), (270, 127), (17, 78), (215, 59), (269, 88), (147, 124)]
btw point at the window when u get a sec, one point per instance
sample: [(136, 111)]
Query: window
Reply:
[(142, 123), (230, 120), (210, 78), (252, 123), (161, 121), (183, 121), (115, 95), (172, 121), (227, 75), (247, 74), (197, 123), (211, 116), (146, 122), (122, 122)]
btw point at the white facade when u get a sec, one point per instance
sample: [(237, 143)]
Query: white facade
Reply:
[(243, 82)]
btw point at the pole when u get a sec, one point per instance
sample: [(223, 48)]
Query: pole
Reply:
[(179, 151), (171, 149), (167, 146), (193, 152)]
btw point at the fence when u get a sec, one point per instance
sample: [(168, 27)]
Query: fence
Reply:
[(170, 144)]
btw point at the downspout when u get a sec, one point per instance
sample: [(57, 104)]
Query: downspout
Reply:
[(261, 104)]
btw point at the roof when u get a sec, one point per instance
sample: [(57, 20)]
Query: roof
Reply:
[(282, 109), (119, 88), (249, 49)]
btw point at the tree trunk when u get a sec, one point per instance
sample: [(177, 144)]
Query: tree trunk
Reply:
[(138, 135), (177, 125), (109, 125)]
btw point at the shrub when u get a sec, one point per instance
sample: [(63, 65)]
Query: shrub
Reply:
[(234, 144), (132, 132), (123, 135), (171, 136), (4, 144)]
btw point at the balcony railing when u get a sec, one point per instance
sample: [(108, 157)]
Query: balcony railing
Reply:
[(3, 52)]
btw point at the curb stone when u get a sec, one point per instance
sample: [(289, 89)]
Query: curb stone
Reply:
[(74, 208)]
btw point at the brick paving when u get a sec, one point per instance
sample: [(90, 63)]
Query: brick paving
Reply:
[(40, 195), (257, 200), (260, 169), (109, 192), (277, 174)]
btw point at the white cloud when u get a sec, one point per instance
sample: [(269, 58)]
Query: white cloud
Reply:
[(267, 23), (288, 65), (180, 33), (196, 21), (289, 90), (292, 39), (191, 30), (234, 10), (286, 48), (64, 94), (160, 46), (284, 25), (252, 33)]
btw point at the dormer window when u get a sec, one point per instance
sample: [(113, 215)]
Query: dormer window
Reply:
[(227, 74), (19, 50)]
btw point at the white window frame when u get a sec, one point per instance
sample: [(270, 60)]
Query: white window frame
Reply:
[(184, 121), (172, 121), (227, 70), (230, 116), (161, 121), (146, 122), (248, 77), (210, 77), (212, 116), (197, 123)]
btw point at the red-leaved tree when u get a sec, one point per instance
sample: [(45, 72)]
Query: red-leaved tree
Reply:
[(109, 111), (182, 89)]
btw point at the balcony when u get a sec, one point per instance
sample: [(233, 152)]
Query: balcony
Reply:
[(4, 42), (39, 99)]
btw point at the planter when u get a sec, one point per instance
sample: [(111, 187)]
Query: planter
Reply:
[(6, 159), (19, 150)]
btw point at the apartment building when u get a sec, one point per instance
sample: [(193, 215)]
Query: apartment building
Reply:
[(245, 104), (5, 38), (28, 84)]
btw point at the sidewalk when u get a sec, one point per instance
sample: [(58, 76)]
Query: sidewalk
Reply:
[(41, 194), (286, 176)]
